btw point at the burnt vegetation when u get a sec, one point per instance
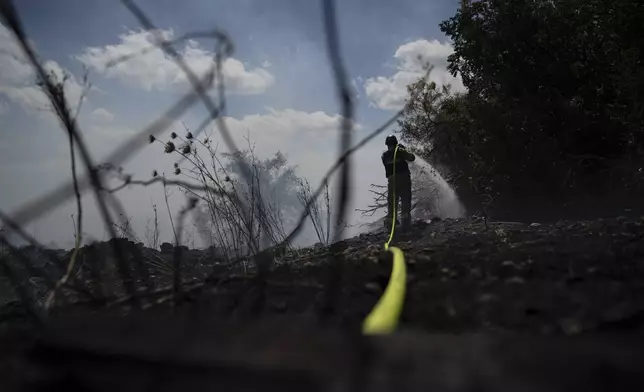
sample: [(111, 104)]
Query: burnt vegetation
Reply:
[(551, 128)]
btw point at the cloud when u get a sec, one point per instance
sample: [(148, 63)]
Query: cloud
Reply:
[(14, 65), (154, 70), (290, 122), (33, 100), (309, 139), (102, 115), (18, 81), (30, 98), (390, 92)]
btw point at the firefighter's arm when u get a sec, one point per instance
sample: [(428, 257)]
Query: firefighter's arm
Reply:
[(406, 154)]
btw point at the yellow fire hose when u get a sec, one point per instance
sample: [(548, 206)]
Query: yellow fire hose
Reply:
[(384, 316)]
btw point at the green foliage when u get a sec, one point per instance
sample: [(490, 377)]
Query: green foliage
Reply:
[(558, 50), (578, 61), (555, 102)]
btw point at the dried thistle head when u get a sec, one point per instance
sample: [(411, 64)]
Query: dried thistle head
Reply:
[(152, 138), (189, 135), (169, 147), (177, 171), (186, 149), (173, 135)]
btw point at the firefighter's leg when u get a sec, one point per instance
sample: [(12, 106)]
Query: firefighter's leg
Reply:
[(405, 196), (390, 202)]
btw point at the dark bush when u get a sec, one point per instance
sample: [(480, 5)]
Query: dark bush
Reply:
[(553, 119)]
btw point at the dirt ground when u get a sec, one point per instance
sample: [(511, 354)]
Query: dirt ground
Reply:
[(562, 278), (537, 283)]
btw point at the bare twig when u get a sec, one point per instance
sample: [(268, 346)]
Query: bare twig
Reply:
[(214, 111), (167, 204), (78, 227), (56, 96), (152, 233)]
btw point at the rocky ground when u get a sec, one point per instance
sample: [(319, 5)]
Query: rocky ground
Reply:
[(562, 278), (531, 281)]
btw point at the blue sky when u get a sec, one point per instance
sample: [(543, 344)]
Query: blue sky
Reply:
[(280, 90)]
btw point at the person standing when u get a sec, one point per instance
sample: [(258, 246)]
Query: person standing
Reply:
[(398, 182)]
